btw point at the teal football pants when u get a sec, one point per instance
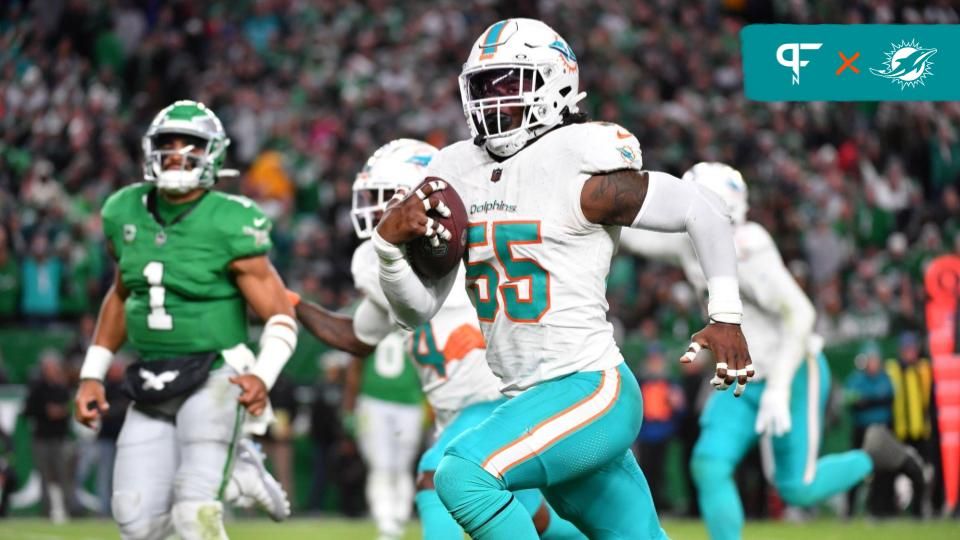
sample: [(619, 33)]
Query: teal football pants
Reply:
[(436, 521), (570, 437), (727, 433)]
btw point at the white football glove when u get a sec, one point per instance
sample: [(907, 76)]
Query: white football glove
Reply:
[(773, 416)]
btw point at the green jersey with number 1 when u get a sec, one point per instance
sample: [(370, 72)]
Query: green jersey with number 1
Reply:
[(183, 297)]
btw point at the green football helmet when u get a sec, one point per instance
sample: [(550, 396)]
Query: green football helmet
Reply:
[(198, 125)]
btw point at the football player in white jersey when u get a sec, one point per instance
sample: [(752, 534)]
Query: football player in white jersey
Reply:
[(546, 195), (786, 406), (448, 351)]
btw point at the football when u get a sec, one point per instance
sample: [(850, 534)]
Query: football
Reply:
[(434, 262)]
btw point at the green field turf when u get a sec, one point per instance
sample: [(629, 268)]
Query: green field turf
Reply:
[(336, 529)]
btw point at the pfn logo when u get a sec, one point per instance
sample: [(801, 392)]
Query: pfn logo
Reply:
[(794, 62)]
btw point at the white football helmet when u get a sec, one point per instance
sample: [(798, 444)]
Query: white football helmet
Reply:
[(519, 63), (196, 123), (726, 182), (399, 164)]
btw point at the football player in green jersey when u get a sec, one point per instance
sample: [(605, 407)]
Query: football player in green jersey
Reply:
[(189, 261)]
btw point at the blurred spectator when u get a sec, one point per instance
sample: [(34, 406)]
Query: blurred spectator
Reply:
[(826, 250), (663, 404), (350, 476), (893, 192), (9, 280), (8, 474), (326, 430), (869, 394), (41, 282), (912, 379), (945, 157), (48, 406), (278, 443)]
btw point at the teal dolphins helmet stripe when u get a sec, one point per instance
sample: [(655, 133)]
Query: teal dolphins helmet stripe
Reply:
[(493, 37)]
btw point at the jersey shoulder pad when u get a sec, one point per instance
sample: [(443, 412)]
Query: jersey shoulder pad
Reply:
[(125, 200), (751, 239), (238, 207), (453, 161), (601, 147), (121, 210), (244, 228)]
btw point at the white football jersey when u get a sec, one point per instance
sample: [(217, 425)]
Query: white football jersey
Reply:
[(536, 268), (765, 283), (448, 351)]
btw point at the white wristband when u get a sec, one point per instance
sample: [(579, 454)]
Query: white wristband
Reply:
[(277, 343), (724, 303), (96, 363), (392, 259)]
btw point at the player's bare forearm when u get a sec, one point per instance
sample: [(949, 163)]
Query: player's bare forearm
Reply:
[(351, 383), (614, 198), (264, 291), (111, 330), (262, 287), (334, 329)]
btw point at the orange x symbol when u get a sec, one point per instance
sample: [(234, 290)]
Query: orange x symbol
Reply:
[(848, 62)]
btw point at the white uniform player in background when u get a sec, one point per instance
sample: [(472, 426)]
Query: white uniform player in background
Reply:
[(448, 351), (785, 407), (546, 194)]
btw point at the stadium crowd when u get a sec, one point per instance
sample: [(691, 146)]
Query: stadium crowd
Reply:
[(859, 196)]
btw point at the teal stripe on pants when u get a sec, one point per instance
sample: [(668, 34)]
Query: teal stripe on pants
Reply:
[(571, 438)]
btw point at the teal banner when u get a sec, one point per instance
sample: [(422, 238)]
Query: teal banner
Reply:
[(851, 62)]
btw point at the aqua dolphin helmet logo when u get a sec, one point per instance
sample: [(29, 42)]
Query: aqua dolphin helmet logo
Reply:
[(907, 64)]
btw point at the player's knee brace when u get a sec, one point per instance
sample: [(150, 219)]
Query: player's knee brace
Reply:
[(132, 521), (472, 495), (199, 520), (707, 471)]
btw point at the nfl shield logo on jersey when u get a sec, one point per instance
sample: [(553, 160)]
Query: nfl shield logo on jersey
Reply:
[(129, 233)]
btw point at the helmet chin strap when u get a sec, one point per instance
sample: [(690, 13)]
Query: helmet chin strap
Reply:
[(517, 141), (509, 145)]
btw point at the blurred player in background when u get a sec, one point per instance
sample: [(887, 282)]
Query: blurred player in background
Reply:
[(383, 409), (189, 261), (547, 194), (449, 350), (787, 405), (382, 398)]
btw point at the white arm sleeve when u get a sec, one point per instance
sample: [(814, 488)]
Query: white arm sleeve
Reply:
[(672, 205), (371, 322), (412, 300), (666, 247), (768, 283)]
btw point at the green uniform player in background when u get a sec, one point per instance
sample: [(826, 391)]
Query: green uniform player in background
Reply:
[(189, 261)]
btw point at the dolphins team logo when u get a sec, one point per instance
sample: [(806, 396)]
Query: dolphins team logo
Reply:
[(907, 64)]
